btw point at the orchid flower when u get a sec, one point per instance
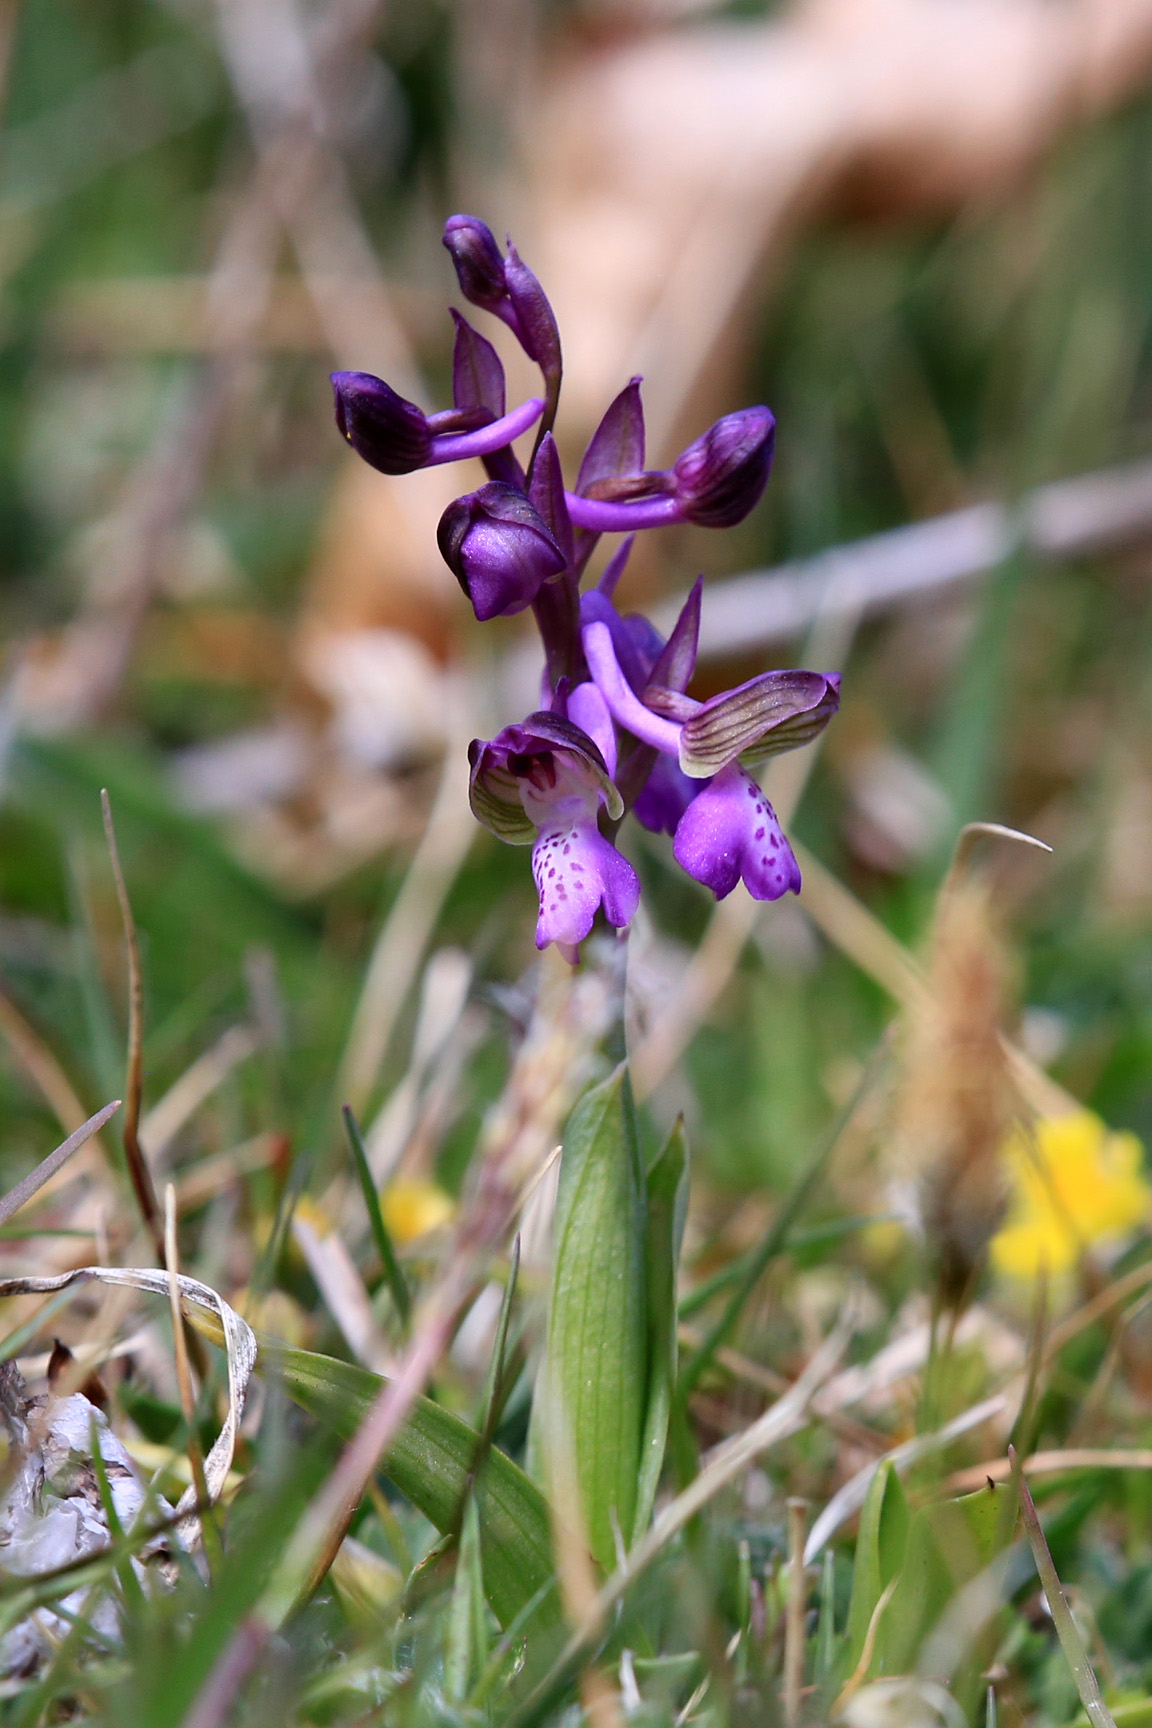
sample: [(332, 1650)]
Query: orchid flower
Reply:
[(617, 729), (544, 782)]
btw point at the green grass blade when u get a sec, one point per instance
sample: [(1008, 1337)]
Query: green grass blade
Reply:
[(430, 1461), (394, 1276), (466, 1639)]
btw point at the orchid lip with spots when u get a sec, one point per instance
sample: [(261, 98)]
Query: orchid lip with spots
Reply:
[(618, 730)]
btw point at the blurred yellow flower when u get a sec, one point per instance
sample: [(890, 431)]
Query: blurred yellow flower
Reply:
[(411, 1208), (1073, 1183)]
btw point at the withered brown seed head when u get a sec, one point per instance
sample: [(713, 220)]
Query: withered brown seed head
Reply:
[(956, 1101)]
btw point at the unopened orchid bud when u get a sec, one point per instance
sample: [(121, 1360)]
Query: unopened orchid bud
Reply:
[(390, 433), (478, 260), (497, 546), (722, 476), (535, 319)]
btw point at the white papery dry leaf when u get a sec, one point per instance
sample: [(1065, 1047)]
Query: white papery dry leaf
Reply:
[(239, 1346), (52, 1513)]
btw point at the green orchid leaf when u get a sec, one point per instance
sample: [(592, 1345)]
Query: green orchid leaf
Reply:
[(594, 1384), (667, 1187), (948, 1543), (431, 1461)]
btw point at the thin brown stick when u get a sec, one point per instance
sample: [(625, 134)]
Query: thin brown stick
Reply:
[(794, 1613), (138, 1169), (47, 1168)]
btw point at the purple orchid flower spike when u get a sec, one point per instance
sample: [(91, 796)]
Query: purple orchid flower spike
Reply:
[(617, 728), (544, 782), (497, 545), (394, 436)]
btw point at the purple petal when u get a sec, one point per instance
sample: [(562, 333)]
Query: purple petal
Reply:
[(677, 662), (623, 703), (588, 710), (730, 831), (666, 795), (607, 516), (577, 871), (617, 445), (614, 568), (595, 608), (455, 446), (547, 494), (477, 372)]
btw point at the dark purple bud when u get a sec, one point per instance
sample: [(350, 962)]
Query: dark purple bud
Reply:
[(478, 260), (721, 477), (535, 319), (391, 434), (617, 445), (477, 372), (499, 549)]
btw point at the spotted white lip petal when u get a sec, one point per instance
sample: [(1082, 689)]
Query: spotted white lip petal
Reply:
[(239, 1346)]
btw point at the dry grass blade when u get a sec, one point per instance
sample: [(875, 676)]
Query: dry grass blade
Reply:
[(41, 1067), (197, 1084), (47, 1168), (137, 1166), (183, 1367), (239, 1346), (1071, 1642), (1056, 1463), (406, 932)]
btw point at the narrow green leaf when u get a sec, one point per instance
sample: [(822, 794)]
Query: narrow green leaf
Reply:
[(394, 1277), (467, 1632), (880, 1549), (595, 1379), (667, 1204), (494, 1388), (430, 1461)]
